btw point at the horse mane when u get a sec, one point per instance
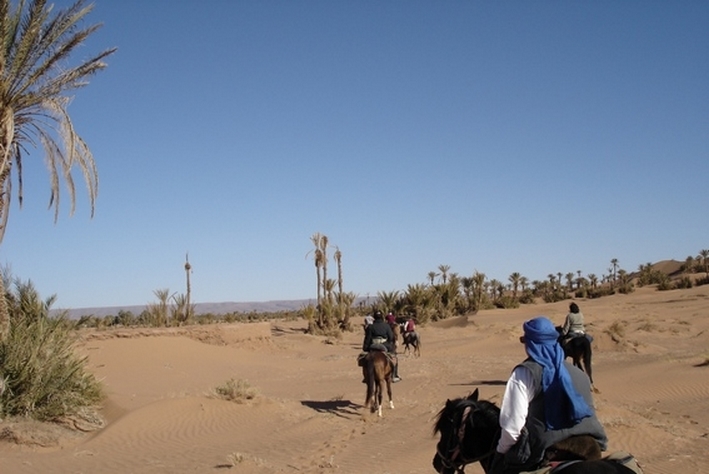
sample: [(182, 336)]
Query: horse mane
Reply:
[(487, 409)]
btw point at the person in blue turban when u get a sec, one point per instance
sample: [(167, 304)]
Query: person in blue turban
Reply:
[(546, 400)]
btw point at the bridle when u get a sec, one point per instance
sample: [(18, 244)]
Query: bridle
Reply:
[(454, 458)]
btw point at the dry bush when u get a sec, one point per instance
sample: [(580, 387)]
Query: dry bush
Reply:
[(236, 391), (616, 331)]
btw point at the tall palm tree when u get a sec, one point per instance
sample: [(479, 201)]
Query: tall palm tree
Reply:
[(323, 251), (444, 272), (514, 279), (318, 260), (338, 258), (523, 283), (188, 270), (35, 79), (614, 268), (431, 277), (569, 281)]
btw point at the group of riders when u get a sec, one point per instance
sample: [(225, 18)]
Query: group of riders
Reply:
[(380, 334), (546, 398)]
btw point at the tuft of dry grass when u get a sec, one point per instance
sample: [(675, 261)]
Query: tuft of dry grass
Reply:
[(616, 331), (234, 459), (236, 391)]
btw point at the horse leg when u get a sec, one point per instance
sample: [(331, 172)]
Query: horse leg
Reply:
[(391, 400), (417, 346), (587, 363), (379, 398), (370, 377)]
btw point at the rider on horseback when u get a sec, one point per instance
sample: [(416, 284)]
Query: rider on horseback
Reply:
[(573, 325), (546, 400), (380, 336)]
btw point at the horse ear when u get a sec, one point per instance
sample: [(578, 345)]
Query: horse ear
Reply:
[(474, 396)]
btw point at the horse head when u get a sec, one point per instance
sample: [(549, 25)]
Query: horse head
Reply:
[(469, 429)]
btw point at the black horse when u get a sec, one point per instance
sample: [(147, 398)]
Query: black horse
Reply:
[(412, 339), (470, 429), (579, 349)]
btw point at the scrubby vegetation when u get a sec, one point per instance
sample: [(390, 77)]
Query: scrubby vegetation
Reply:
[(236, 391), (41, 376)]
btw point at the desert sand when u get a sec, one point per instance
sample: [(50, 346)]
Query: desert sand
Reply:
[(160, 416)]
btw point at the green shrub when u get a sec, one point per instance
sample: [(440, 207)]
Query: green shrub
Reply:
[(42, 376), (506, 302), (683, 283)]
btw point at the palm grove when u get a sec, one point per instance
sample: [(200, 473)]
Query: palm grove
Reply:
[(446, 294)]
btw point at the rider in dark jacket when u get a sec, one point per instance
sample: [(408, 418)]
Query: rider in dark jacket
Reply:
[(380, 333)]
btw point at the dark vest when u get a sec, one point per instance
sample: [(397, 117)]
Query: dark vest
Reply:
[(529, 450)]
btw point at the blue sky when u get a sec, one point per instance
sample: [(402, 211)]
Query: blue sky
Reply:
[(500, 137)]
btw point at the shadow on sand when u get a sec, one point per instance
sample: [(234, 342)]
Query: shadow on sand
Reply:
[(343, 408)]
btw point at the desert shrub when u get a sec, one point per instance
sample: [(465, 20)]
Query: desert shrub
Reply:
[(702, 281), (553, 297), (527, 297), (683, 283), (41, 375), (599, 292), (506, 302), (236, 391), (664, 285), (616, 331)]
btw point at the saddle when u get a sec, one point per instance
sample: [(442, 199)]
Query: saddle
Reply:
[(363, 354), (621, 457)]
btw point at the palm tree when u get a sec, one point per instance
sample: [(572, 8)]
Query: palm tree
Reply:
[(323, 251), (317, 259), (523, 283), (431, 277), (569, 281), (478, 289), (188, 270), (514, 279), (704, 254), (614, 268), (338, 258), (444, 272), (35, 78), (387, 299)]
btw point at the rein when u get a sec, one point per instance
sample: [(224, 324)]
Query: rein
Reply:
[(452, 461)]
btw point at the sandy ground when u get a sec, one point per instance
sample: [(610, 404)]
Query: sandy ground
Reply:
[(653, 398)]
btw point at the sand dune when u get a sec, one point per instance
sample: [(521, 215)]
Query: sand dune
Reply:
[(651, 350)]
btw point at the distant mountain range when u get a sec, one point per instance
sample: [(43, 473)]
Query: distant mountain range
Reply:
[(200, 308)]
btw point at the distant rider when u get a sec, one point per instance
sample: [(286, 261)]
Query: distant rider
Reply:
[(380, 334), (573, 324)]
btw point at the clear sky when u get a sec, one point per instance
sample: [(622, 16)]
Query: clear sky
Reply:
[(532, 137)]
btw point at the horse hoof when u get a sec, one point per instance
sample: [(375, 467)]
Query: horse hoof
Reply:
[(391, 405)]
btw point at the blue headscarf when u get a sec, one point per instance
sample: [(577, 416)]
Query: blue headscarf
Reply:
[(563, 405)]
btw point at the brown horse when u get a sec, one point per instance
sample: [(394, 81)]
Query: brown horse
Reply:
[(396, 329), (378, 372)]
